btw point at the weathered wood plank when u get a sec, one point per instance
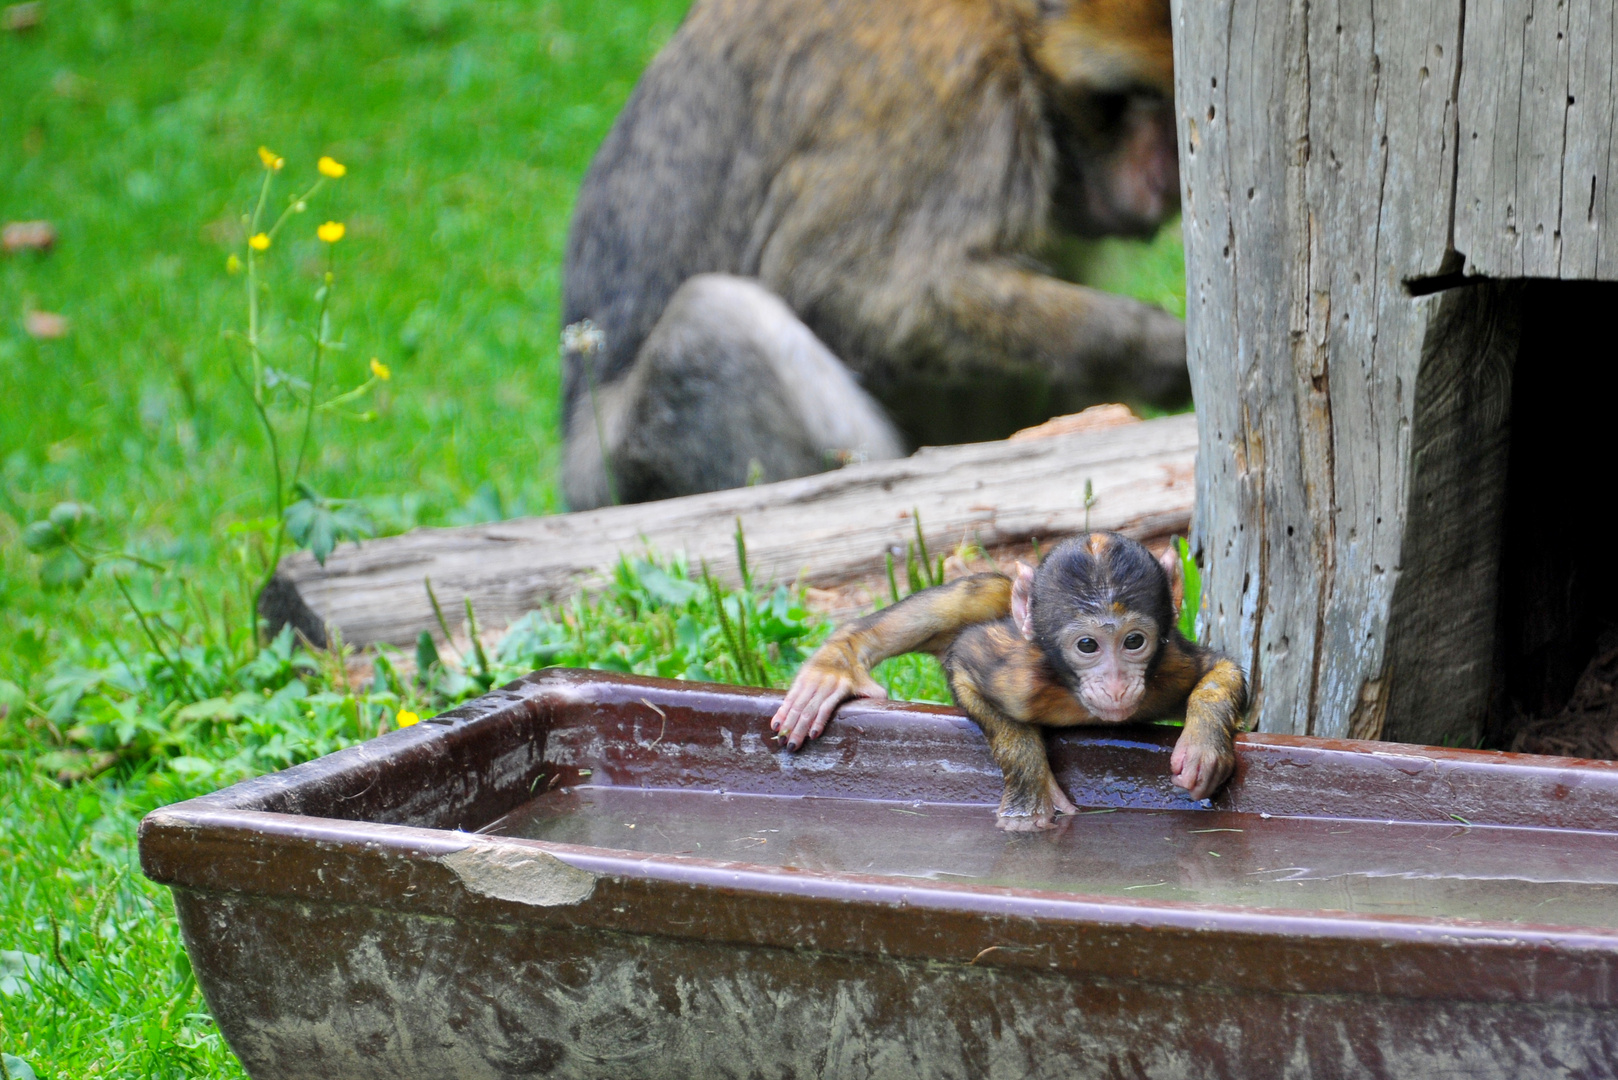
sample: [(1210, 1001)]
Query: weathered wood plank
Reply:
[(1588, 251), (1536, 156), (830, 528), (1379, 186), (1235, 66)]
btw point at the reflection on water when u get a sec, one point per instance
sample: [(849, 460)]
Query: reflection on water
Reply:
[(1537, 876)]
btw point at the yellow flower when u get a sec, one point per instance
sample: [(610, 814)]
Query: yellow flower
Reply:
[(381, 370), (332, 167), (271, 159), (260, 242), (406, 718), (331, 232), (233, 265)]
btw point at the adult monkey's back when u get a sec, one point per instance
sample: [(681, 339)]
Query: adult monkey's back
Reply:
[(807, 197)]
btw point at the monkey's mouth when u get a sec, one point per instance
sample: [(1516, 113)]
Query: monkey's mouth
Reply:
[(1112, 712)]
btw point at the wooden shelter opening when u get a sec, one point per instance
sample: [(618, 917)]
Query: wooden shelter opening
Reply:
[(1393, 212), (1557, 613)]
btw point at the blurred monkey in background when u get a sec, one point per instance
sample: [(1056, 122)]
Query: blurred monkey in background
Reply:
[(813, 236)]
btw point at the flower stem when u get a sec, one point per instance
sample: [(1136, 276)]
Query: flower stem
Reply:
[(321, 327)]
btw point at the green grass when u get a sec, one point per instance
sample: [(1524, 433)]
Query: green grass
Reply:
[(133, 126)]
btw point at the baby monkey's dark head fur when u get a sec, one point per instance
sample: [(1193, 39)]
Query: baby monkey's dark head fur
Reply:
[(1101, 608)]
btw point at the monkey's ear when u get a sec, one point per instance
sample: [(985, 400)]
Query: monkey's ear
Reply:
[(1022, 595), (1170, 562)]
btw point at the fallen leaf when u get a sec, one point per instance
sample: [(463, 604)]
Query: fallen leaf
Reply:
[(20, 17), (27, 236), (45, 325)]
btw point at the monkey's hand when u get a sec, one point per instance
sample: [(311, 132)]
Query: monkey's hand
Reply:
[(1205, 756), (822, 684), (1202, 761)]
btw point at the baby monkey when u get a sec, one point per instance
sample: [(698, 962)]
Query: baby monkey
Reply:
[(1088, 638)]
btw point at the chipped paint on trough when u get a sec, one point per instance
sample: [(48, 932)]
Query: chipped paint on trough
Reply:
[(521, 875)]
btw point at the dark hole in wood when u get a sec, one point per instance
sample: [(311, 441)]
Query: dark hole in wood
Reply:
[(1558, 588)]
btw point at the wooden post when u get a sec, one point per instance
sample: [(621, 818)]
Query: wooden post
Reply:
[(1362, 182)]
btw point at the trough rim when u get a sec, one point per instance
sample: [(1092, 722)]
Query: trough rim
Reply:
[(226, 843)]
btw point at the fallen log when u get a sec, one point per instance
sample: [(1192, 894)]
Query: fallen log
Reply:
[(825, 530)]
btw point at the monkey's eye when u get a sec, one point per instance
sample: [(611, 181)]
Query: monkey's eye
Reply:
[(1087, 645), (1134, 641)]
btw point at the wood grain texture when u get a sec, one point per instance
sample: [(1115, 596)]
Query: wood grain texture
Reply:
[(1319, 148), (1537, 107), (1440, 657), (828, 529)]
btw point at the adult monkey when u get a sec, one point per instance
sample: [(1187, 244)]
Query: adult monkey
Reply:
[(808, 204)]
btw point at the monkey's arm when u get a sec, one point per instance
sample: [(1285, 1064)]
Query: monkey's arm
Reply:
[(1213, 692), (1075, 335), (1205, 755), (927, 621)]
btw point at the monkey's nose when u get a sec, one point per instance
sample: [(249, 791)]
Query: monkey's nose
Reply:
[(1119, 690)]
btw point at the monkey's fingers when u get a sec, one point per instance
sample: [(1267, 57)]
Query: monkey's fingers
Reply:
[(1026, 822), (801, 704), (803, 694), (1200, 768), (822, 693), (792, 704), (814, 697)]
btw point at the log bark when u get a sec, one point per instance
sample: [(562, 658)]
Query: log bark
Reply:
[(825, 530)]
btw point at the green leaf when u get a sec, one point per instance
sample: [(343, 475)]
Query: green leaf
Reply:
[(42, 536), (12, 696), (320, 524), (217, 708), (69, 517), (426, 656), (664, 587), (1193, 590), (63, 569), (18, 970), (19, 1069)]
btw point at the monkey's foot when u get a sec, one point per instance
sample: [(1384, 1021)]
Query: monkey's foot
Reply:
[(1041, 815), (1026, 822)]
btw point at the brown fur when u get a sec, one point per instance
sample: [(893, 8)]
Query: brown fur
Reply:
[(1007, 683), (892, 172)]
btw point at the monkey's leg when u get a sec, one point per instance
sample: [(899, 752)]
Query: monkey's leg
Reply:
[(1205, 754), (927, 621), (1032, 798), (729, 388)]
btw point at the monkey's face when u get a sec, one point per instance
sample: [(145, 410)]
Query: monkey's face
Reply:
[(1109, 656), (1111, 110), (1099, 608)]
